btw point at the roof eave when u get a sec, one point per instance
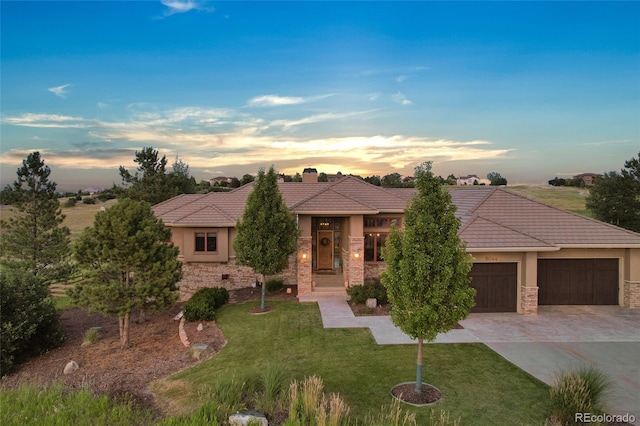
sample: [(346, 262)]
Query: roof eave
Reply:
[(599, 246), (509, 249), (201, 225), (333, 212)]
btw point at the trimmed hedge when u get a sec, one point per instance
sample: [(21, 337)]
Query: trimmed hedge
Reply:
[(203, 304), (274, 285), (369, 290)]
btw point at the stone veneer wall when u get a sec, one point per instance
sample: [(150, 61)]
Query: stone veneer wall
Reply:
[(631, 294), (304, 271), (372, 271), (529, 300), (197, 275), (355, 270)]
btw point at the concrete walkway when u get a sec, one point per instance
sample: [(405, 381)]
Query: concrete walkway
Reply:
[(559, 337)]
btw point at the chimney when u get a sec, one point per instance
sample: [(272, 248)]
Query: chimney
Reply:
[(309, 175)]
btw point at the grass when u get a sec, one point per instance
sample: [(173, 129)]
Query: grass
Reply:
[(562, 197), (77, 217), (479, 386), (30, 405)]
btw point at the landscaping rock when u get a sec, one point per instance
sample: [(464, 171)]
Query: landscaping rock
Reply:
[(372, 303), (200, 327), (199, 349), (245, 417), (71, 367)]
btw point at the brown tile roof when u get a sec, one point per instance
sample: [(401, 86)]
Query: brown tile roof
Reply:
[(491, 218)]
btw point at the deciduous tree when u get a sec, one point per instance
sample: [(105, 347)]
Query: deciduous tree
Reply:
[(130, 263), (427, 266), (34, 240), (615, 197), (267, 232), (496, 179)]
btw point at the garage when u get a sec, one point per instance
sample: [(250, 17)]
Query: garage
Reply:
[(496, 286), (578, 281)]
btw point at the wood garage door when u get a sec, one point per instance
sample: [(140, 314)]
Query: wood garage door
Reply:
[(578, 281), (496, 286)]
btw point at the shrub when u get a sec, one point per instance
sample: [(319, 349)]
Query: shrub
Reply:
[(274, 285), (88, 200), (29, 322), (91, 336), (369, 290), (70, 202), (580, 390), (106, 195), (203, 304)]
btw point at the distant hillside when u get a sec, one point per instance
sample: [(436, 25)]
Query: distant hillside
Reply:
[(563, 197)]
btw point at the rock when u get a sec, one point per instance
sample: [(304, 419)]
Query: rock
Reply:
[(183, 334), (71, 367), (245, 417), (372, 303), (199, 349), (200, 327)]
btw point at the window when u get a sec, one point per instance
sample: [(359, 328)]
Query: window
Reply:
[(373, 245), (380, 222), (206, 241)]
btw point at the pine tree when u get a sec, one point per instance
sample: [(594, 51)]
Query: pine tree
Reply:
[(427, 266), (34, 240), (267, 232), (130, 261), (615, 197)]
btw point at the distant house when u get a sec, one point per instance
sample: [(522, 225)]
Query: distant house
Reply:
[(467, 180), (588, 178), (525, 253), (219, 179)]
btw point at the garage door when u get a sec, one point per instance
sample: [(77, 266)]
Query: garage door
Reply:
[(496, 286), (578, 281)]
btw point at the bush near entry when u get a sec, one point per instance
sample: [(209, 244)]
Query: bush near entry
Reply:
[(203, 304), (369, 290)]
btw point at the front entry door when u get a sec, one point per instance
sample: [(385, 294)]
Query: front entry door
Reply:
[(325, 249)]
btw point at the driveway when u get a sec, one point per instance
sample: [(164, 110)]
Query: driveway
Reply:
[(559, 337)]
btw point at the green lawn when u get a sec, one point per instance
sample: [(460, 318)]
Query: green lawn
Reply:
[(562, 197), (478, 386)]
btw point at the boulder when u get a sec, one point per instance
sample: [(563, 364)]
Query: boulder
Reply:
[(71, 367), (372, 303), (245, 417)]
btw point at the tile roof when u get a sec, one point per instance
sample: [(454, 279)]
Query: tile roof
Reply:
[(491, 218)]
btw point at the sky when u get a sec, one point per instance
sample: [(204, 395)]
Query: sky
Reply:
[(531, 90)]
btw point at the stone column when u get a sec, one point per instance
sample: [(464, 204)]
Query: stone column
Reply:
[(529, 284), (304, 265), (356, 261)]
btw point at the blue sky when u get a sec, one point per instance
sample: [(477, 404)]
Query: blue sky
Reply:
[(530, 90)]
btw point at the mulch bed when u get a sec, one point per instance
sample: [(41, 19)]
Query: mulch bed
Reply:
[(405, 392), (361, 310)]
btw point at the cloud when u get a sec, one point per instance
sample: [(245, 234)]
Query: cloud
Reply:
[(183, 6), (47, 121), (275, 100), (401, 78), (373, 96), (401, 99), (60, 91)]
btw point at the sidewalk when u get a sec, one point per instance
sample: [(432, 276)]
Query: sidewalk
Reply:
[(336, 313)]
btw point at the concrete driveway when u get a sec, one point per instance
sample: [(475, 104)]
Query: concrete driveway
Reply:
[(559, 337)]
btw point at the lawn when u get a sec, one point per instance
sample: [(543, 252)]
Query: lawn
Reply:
[(478, 385), (563, 197)]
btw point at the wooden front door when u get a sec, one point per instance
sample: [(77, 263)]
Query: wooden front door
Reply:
[(325, 250)]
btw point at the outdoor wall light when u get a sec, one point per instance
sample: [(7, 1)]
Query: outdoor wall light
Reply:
[(356, 254), (304, 254)]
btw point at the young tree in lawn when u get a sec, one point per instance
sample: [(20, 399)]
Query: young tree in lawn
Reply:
[(34, 240), (130, 264), (267, 233), (615, 197), (427, 266)]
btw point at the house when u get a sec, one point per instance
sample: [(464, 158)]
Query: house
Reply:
[(467, 180), (525, 253), (588, 178), (219, 179)]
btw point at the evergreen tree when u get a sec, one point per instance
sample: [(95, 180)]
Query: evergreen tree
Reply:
[(34, 240), (615, 197), (130, 264), (427, 266), (29, 324), (149, 183), (267, 232)]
